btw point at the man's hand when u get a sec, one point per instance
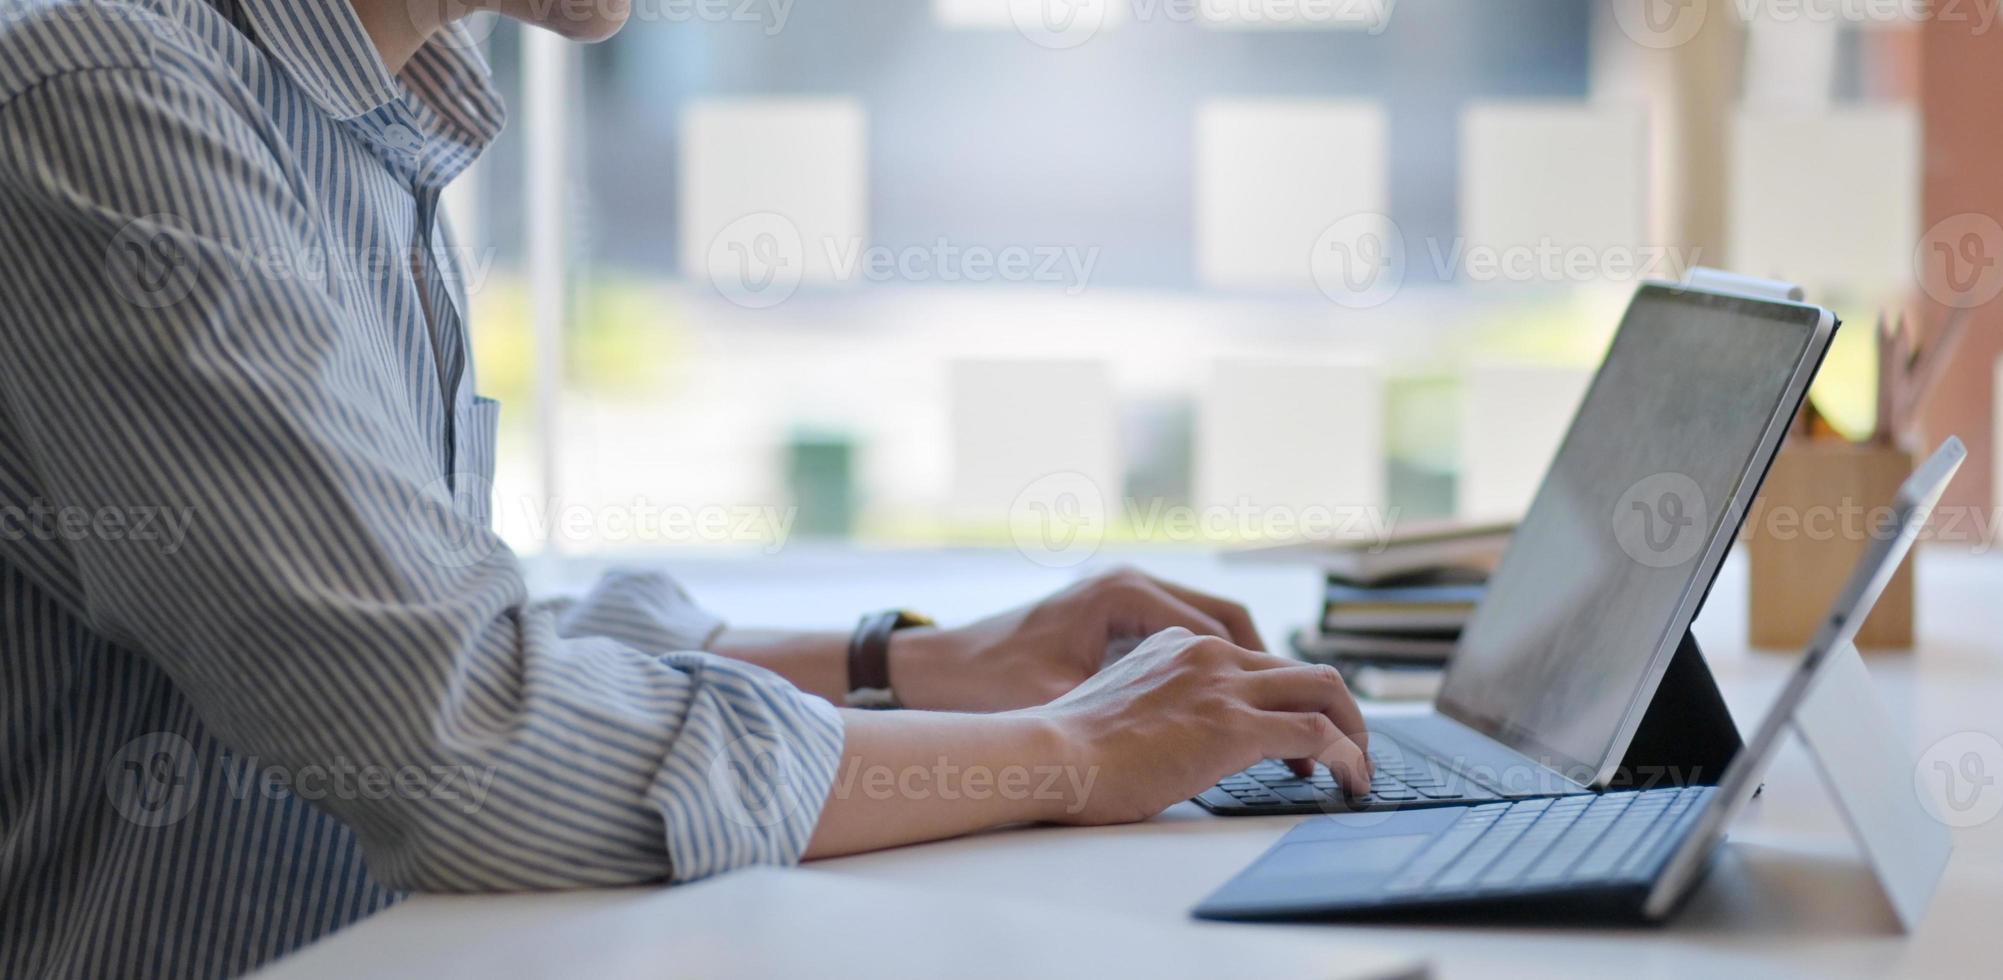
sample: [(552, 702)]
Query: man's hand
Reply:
[(1160, 726), (1031, 655), (1183, 711)]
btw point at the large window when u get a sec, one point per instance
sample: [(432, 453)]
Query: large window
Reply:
[(886, 269)]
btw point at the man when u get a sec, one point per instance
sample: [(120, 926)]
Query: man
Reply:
[(264, 665)]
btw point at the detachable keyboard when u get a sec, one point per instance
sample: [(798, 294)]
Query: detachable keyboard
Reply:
[(1598, 853), (1550, 844), (1400, 782)]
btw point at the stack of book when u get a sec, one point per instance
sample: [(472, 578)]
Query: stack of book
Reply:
[(1392, 639), (1393, 610)]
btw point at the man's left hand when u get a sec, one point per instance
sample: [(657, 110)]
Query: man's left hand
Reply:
[(1035, 654)]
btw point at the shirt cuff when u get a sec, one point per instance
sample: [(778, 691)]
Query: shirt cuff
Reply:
[(746, 780), (645, 610)]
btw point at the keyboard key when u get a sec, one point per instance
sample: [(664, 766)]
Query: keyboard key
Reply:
[(1651, 851), (1622, 839), (1437, 855), (1528, 849), (1441, 793), (1396, 781), (1498, 847), (1668, 833), (1585, 831)]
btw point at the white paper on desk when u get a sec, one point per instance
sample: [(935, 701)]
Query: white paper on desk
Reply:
[(772, 922)]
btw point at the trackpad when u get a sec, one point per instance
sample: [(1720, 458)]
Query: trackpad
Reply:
[(1327, 863)]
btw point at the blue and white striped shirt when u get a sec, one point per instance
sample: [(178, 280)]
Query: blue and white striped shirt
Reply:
[(262, 664)]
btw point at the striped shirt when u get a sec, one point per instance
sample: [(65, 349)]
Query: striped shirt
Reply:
[(263, 665)]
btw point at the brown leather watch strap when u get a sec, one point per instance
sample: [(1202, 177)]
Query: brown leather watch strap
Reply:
[(869, 658)]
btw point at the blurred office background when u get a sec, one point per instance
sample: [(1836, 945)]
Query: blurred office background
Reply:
[(901, 268)]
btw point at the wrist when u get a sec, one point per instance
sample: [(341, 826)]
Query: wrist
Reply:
[(915, 657), (1059, 761)]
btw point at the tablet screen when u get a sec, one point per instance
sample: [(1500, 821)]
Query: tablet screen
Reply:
[(1622, 530)]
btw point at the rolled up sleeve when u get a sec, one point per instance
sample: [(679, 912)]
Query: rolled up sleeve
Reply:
[(642, 608), (326, 604)]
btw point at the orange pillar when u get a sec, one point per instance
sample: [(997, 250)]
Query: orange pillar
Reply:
[(1961, 74)]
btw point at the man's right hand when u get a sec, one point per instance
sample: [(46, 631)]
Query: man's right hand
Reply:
[(1150, 730), (1182, 711)]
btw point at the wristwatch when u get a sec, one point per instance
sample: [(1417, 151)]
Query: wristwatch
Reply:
[(869, 658)]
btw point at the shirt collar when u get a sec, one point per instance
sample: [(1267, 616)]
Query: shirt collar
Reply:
[(322, 45)]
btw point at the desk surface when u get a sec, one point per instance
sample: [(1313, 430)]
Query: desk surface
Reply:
[(1789, 896)]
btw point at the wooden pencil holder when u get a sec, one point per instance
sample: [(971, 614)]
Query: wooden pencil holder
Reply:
[(1812, 520)]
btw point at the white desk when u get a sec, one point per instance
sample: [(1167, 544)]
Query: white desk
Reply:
[(1789, 897)]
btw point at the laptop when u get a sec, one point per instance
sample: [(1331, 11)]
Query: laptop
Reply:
[(1553, 673), (1614, 855)]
